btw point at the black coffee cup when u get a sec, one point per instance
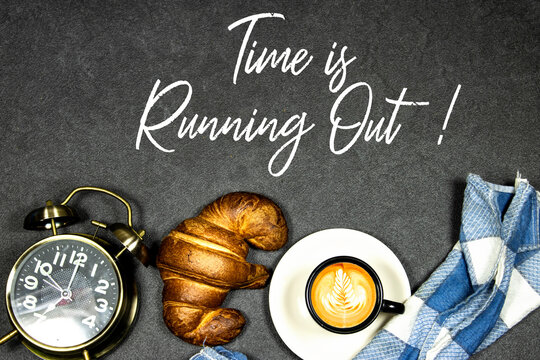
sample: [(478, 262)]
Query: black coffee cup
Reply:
[(380, 304)]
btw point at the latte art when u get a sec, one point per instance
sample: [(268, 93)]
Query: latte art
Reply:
[(343, 295)]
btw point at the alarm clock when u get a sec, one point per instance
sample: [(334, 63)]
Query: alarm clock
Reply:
[(72, 296)]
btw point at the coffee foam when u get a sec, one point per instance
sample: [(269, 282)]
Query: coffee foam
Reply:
[(343, 295)]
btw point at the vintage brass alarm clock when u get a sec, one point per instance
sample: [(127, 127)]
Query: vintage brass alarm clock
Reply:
[(72, 296)]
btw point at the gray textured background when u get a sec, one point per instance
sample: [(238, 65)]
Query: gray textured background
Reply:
[(75, 79)]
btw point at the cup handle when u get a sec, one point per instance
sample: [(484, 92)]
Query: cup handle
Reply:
[(392, 307)]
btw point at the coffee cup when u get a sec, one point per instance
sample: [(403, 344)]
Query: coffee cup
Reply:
[(345, 295)]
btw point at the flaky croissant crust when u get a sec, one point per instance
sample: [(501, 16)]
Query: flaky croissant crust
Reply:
[(204, 257)]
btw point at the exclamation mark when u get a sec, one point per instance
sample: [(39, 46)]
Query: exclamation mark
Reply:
[(449, 112)]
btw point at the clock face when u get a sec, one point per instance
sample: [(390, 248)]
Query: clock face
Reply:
[(64, 292)]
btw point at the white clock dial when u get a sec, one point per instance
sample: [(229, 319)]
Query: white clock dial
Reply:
[(64, 292)]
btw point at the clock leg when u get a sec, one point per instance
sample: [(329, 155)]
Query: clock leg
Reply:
[(8, 336)]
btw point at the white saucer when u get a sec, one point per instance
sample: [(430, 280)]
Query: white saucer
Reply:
[(287, 303)]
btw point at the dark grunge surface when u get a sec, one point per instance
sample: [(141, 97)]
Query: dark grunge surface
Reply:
[(76, 78)]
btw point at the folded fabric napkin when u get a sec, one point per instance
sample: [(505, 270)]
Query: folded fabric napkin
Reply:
[(218, 353), (487, 284)]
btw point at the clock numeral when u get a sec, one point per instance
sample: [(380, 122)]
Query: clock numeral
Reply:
[(30, 282), (102, 287), (102, 305), (90, 321), (62, 260), (45, 269), (93, 273), (30, 302), (78, 258)]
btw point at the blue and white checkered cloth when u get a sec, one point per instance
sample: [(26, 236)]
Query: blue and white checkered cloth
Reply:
[(487, 284), (218, 353)]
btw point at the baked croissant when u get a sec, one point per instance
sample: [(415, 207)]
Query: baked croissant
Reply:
[(204, 257)]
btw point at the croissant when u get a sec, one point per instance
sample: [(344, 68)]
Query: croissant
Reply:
[(203, 258)]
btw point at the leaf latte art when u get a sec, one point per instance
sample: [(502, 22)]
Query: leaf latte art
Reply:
[(343, 295)]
